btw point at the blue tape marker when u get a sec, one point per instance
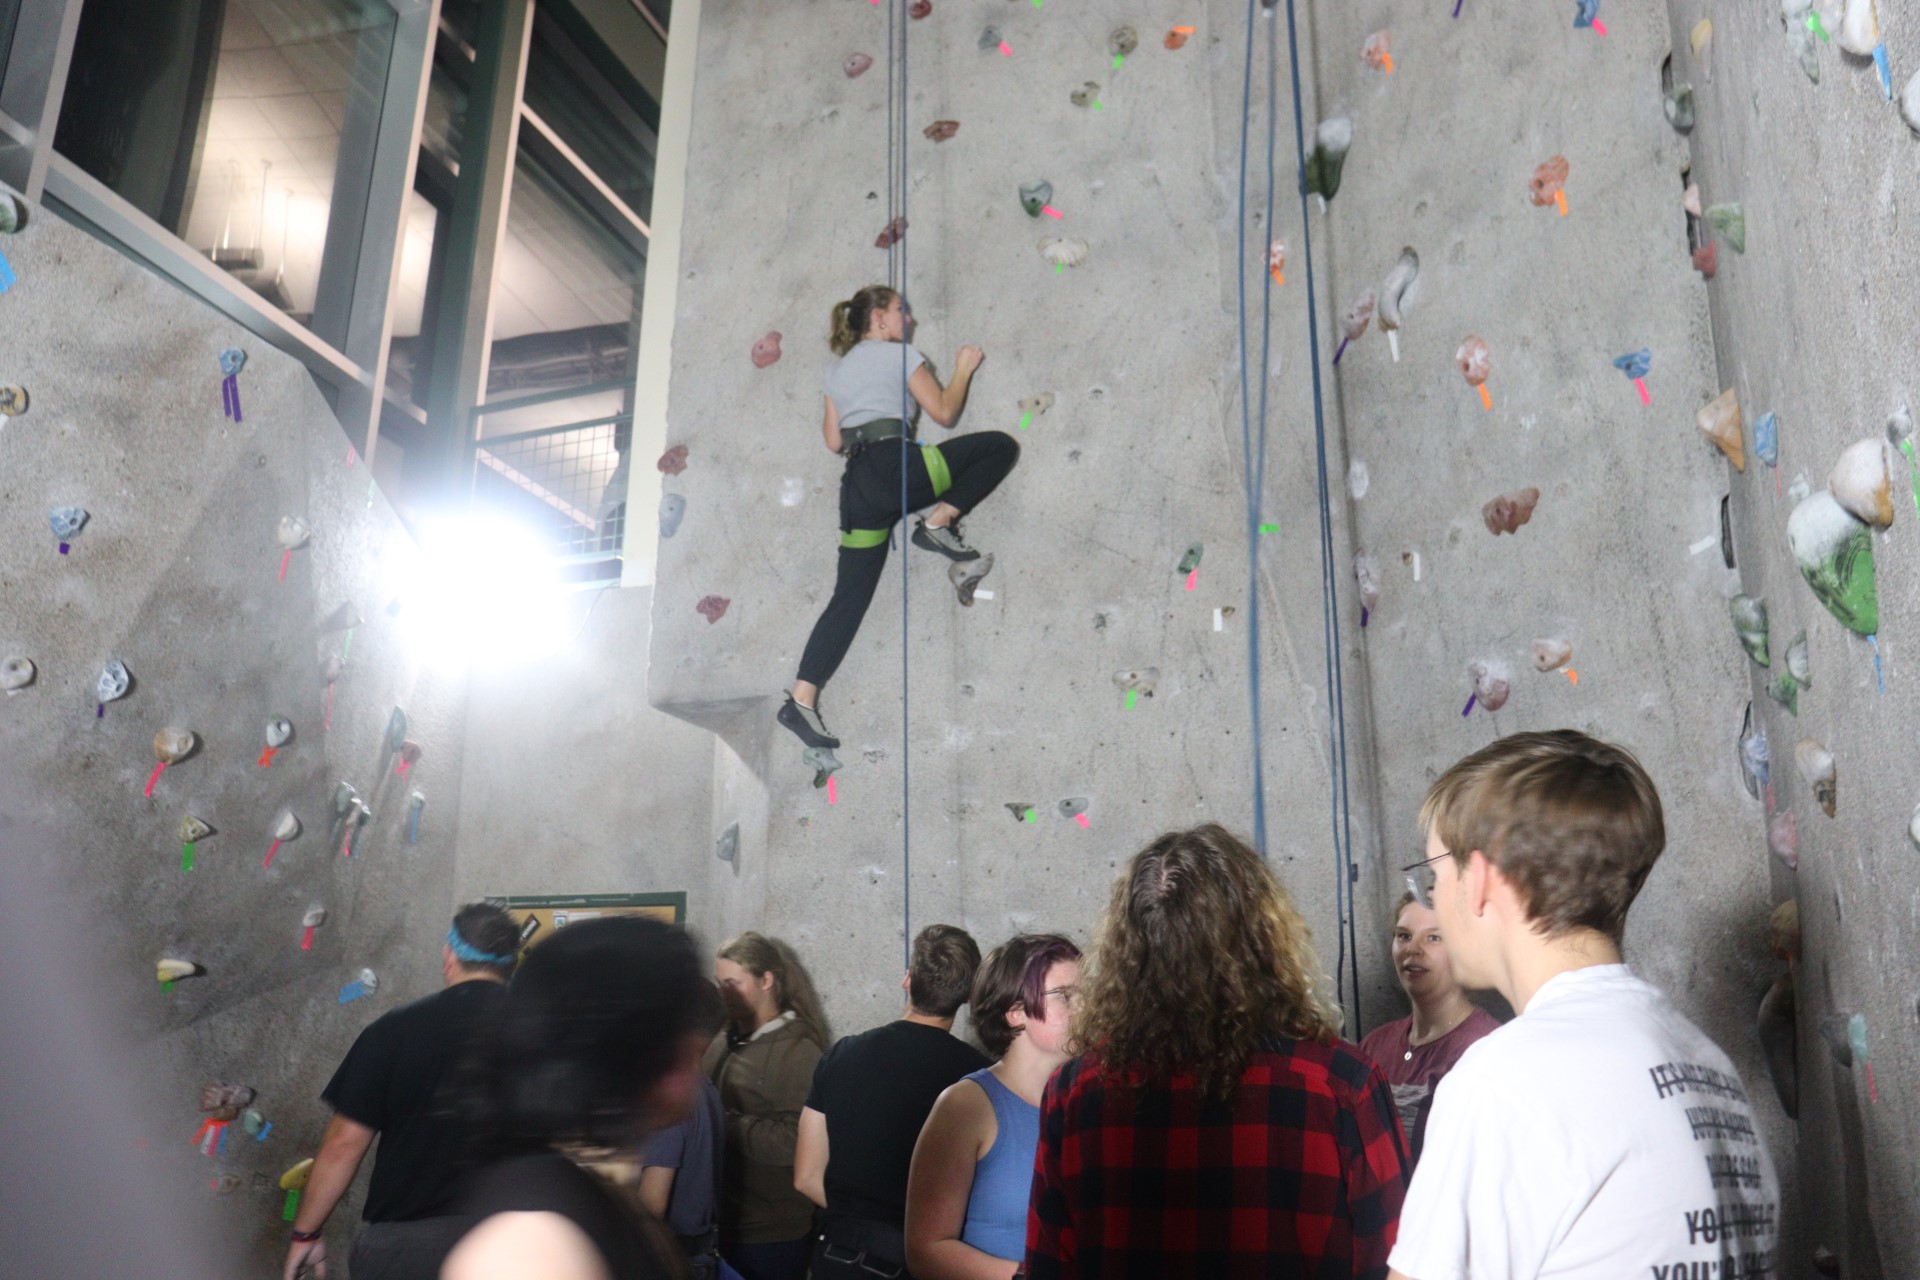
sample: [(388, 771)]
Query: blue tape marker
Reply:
[(265, 1129), (7, 278), (1878, 678)]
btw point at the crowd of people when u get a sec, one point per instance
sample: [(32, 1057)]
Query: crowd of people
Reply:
[(1176, 1101)]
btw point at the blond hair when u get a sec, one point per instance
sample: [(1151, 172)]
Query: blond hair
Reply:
[(1199, 957), (1573, 823), (851, 318)]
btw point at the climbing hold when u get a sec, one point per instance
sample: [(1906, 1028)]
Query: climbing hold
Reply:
[(1037, 405), (673, 509), (1910, 103), (1834, 553), (1785, 690), (1177, 38), (1393, 292), (1377, 51), (1551, 655), (1833, 1030), (1635, 364), (1859, 29), (1142, 680), (919, 9), (1783, 838), (1331, 142), (1035, 196), (1690, 199), (1549, 177), (727, 846), (1065, 251), (1750, 624), (1766, 438), (16, 673), (1122, 41), (712, 608), (1800, 37), (1359, 479), (1862, 480), (1072, 807), (1719, 421), (855, 64), (941, 130), (766, 350), (295, 1178), (1085, 95), (13, 213), (823, 763), (173, 745), (365, 983), (1678, 106), (1730, 220), (1354, 322), (396, 729), (345, 798), (13, 401), (1019, 809), (990, 39), (890, 235), (1490, 686), (1754, 755), (1190, 560), (1726, 529), (966, 576), (1706, 260), (191, 830), (673, 461), (225, 1097), (232, 361), (167, 969), (1701, 41), (1815, 763), (113, 682), (1585, 12), (1506, 513), (279, 731), (1797, 663), (1367, 575), (1474, 359), (66, 522), (292, 532), (1913, 828)]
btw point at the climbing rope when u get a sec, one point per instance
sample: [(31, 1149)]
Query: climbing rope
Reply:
[(897, 281), (1347, 960)]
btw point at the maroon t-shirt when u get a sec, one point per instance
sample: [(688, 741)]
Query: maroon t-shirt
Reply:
[(1414, 1070)]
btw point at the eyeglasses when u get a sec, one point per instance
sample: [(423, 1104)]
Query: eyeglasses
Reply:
[(1065, 995), (1420, 878)]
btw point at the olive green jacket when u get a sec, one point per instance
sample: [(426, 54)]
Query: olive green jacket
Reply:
[(763, 1084)]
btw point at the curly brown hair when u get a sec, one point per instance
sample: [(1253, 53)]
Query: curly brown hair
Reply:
[(1199, 956)]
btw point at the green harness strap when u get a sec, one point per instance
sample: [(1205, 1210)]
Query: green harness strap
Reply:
[(865, 539)]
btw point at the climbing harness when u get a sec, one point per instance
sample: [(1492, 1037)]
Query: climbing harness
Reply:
[(861, 539)]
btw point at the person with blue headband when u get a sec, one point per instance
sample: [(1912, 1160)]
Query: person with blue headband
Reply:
[(393, 1084)]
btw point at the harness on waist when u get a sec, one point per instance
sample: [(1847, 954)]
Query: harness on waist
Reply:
[(864, 539)]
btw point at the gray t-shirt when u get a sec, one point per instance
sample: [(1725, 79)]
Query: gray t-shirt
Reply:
[(865, 383), (692, 1147)]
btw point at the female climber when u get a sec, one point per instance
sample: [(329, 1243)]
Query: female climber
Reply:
[(863, 422)]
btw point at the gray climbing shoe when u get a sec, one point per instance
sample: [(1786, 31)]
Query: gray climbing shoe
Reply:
[(945, 540), (806, 724), (966, 576)]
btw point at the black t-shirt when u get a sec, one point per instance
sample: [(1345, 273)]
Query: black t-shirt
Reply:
[(875, 1089), (392, 1081)]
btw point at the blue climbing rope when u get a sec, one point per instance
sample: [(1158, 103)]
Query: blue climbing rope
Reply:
[(897, 281)]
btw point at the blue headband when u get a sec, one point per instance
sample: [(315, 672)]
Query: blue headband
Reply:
[(467, 953)]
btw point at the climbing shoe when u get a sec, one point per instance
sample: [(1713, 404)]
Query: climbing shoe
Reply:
[(806, 724), (945, 540)]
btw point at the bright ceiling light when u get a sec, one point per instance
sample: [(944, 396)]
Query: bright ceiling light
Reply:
[(488, 592)]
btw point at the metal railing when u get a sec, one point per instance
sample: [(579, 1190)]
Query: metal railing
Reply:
[(570, 483)]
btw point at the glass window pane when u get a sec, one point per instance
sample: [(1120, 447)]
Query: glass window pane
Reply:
[(9, 13), (593, 103), (225, 121), (406, 346)]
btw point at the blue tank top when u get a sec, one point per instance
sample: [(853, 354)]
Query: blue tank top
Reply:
[(1003, 1180)]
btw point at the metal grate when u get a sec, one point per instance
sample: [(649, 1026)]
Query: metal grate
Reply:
[(569, 482)]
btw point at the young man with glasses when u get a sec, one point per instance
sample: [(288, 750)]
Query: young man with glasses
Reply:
[(1598, 1135)]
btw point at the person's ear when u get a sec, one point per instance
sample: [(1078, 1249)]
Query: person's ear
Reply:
[(906, 982), (1017, 1016), (1483, 881)]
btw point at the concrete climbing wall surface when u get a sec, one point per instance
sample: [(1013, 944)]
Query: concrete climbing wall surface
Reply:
[(1815, 325), (1013, 701), (177, 574)]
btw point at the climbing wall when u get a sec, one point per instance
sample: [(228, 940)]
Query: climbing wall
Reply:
[(1814, 327), (178, 575), (1014, 704)]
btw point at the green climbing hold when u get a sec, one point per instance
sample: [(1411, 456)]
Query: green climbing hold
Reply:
[(1834, 553)]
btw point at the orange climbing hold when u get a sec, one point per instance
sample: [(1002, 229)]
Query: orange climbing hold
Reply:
[(1178, 37)]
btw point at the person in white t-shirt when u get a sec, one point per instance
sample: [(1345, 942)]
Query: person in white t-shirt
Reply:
[(1599, 1135)]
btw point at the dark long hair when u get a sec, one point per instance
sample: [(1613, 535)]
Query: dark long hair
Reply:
[(594, 1017)]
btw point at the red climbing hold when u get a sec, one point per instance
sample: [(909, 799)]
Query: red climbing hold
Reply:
[(941, 130), (766, 351), (712, 608), (920, 8), (893, 233), (673, 461)]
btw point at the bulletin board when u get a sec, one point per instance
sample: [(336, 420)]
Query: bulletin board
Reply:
[(556, 913)]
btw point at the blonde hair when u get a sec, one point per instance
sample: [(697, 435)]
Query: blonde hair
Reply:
[(792, 988), (851, 318), (1573, 823), (1199, 957)]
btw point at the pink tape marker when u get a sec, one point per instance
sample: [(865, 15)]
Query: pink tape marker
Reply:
[(1193, 578), (1005, 48), (1641, 384), (285, 557), (346, 843), (306, 939), (1051, 212), (833, 791), (271, 850), (1081, 818), (153, 778), (1599, 27)]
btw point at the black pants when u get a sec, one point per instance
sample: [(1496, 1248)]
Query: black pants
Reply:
[(412, 1250), (870, 499), (851, 1248)]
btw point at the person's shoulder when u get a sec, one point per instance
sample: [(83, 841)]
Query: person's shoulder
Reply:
[(1377, 1043)]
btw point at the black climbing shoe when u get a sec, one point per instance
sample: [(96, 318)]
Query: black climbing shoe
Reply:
[(806, 724), (945, 540)]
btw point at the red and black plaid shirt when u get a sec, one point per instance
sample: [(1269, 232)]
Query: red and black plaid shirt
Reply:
[(1300, 1175)]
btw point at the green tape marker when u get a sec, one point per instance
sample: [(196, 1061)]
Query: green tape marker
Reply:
[(1032, 816), (1906, 447), (346, 646), (1059, 267), (1118, 58), (1813, 25), (166, 987), (1096, 104), (1269, 528), (291, 1207), (186, 857), (1025, 418), (1129, 699)]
